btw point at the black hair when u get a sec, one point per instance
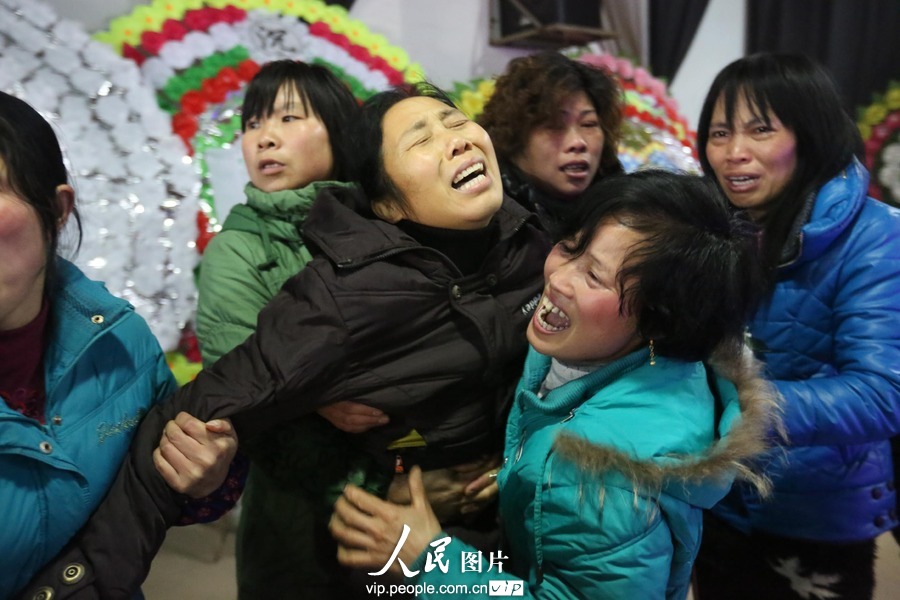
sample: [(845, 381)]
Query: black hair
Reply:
[(321, 93), (367, 164), (694, 278), (34, 165), (802, 95)]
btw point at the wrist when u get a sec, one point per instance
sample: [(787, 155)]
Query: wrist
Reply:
[(414, 559)]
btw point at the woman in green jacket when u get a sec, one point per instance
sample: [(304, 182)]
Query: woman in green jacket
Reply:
[(637, 409), (292, 122)]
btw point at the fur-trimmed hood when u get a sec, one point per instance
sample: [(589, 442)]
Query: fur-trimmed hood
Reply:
[(747, 424)]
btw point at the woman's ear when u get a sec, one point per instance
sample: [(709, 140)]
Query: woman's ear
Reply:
[(387, 210), (65, 198)]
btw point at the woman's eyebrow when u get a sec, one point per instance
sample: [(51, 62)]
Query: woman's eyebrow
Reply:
[(421, 123)]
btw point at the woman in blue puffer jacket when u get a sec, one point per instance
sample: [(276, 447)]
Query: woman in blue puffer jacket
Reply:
[(774, 136)]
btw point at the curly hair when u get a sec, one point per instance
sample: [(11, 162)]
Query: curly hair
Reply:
[(528, 95)]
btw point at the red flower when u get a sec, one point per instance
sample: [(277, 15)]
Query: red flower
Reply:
[(246, 69), (203, 239), (199, 19), (212, 90), (174, 30), (361, 54), (233, 14), (320, 29), (184, 126), (228, 79), (153, 41), (341, 40), (132, 53), (193, 103)]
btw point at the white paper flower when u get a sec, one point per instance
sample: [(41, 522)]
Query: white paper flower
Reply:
[(156, 72), (37, 13), (112, 110), (102, 58), (224, 36), (136, 196), (61, 59), (71, 34), (177, 55), (199, 43)]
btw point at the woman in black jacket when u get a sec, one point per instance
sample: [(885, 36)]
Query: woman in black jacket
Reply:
[(415, 303), (555, 123)]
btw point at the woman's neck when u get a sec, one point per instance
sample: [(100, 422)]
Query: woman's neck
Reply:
[(466, 248)]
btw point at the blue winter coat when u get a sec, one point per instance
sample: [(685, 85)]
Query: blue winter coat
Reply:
[(605, 478), (103, 369), (830, 337)]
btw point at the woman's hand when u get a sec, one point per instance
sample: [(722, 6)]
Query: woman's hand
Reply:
[(368, 528), (459, 490), (193, 457), (353, 417), (481, 491)]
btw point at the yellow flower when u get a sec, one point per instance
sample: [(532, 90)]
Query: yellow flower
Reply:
[(149, 18), (486, 88), (171, 9), (275, 6), (293, 8), (414, 73), (864, 130), (892, 98), (125, 30), (377, 44), (357, 33), (396, 57), (875, 114), (471, 103), (312, 11), (336, 18)]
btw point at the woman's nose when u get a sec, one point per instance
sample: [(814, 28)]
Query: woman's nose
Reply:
[(560, 280), (575, 141), (736, 151), (457, 145), (268, 136)]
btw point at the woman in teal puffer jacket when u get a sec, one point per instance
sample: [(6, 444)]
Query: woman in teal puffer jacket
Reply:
[(78, 368), (776, 139), (637, 409)]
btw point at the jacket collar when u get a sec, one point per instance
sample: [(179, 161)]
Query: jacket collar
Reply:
[(349, 238), (286, 204), (834, 209), (744, 428)]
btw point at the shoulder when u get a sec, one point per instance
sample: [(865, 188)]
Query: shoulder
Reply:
[(230, 244), (86, 316)]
